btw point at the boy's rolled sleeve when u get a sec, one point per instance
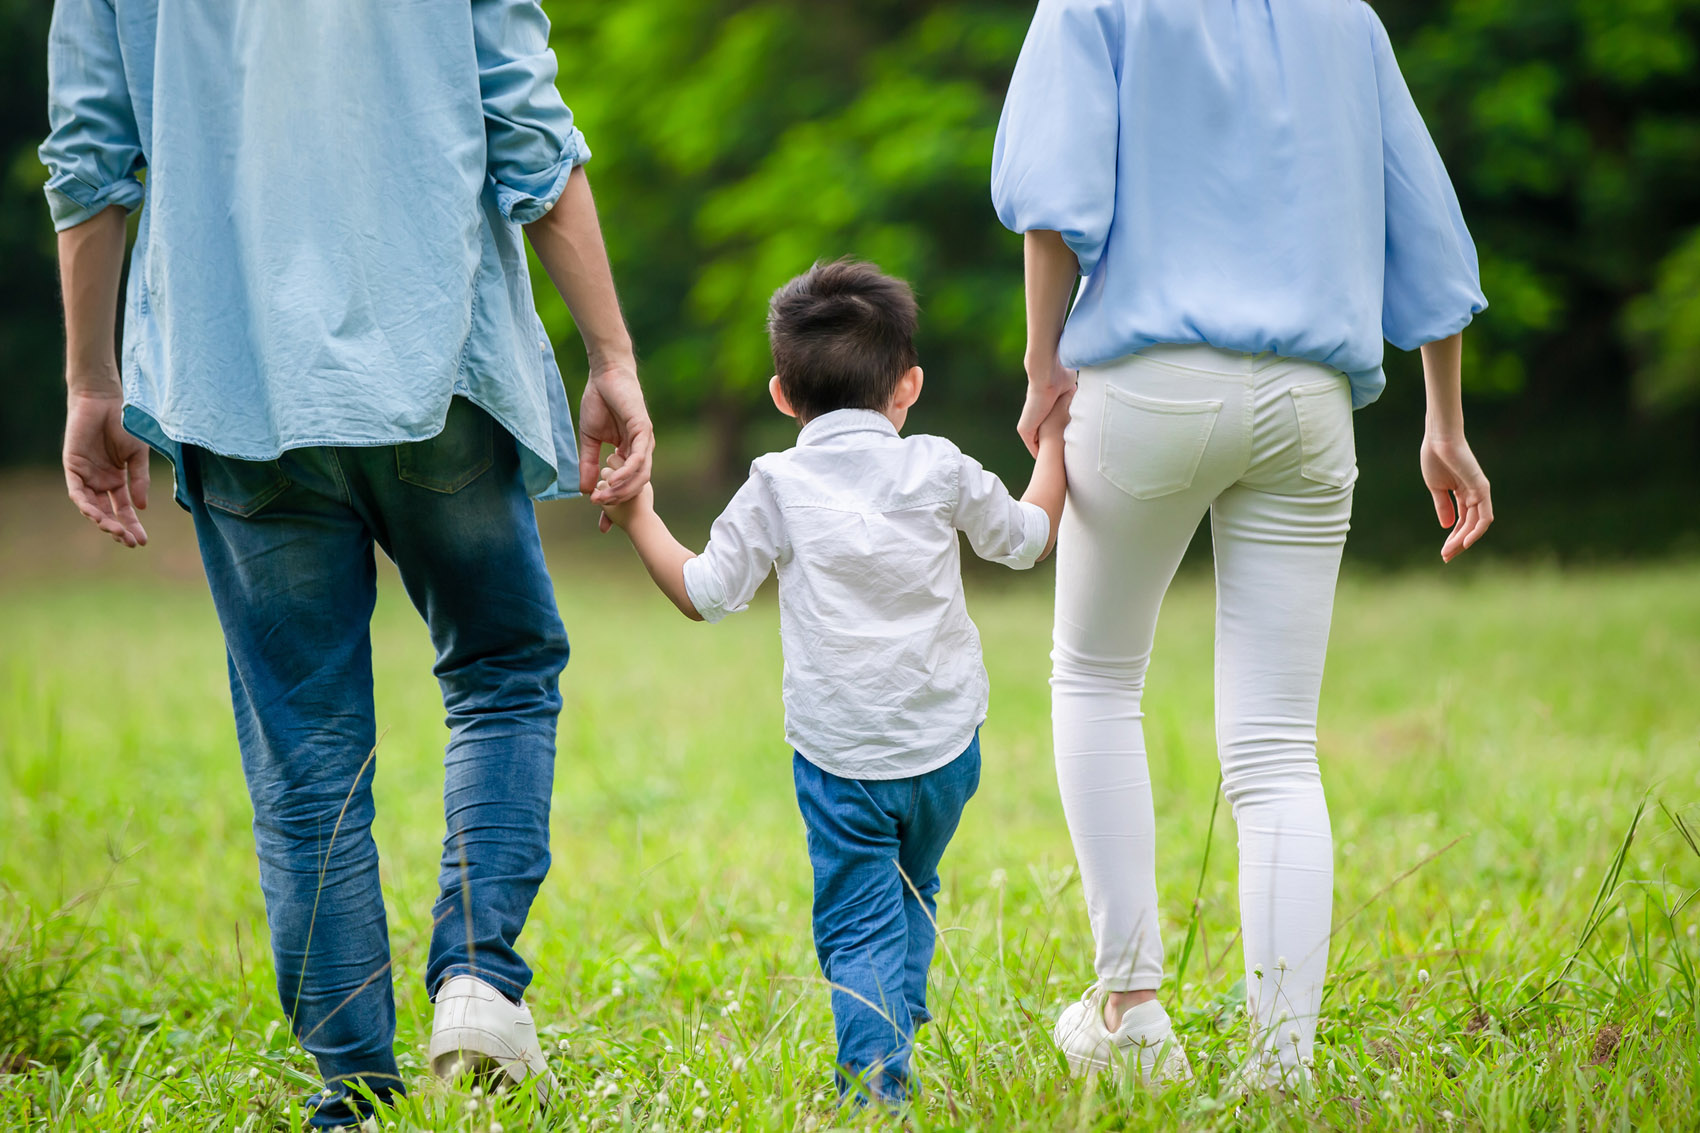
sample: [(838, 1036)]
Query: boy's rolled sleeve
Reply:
[(743, 546), (1000, 528), (93, 150), (531, 142)]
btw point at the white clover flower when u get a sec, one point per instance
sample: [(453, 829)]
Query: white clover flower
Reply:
[(662, 1100), (699, 1113), (496, 1127), (617, 990), (738, 1064), (1422, 975), (1258, 971), (478, 1091), (1448, 1116), (1280, 963)]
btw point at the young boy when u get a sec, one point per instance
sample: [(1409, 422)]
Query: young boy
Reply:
[(884, 686)]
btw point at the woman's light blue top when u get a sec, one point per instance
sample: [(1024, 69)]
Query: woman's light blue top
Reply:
[(1251, 174), (331, 246)]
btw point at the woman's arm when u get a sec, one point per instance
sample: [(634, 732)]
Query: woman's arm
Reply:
[(1052, 273), (1462, 498)]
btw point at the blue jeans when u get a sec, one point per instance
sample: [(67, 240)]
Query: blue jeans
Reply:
[(288, 549), (874, 930)]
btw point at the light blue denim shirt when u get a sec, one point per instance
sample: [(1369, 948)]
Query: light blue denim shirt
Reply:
[(1251, 174), (331, 247)]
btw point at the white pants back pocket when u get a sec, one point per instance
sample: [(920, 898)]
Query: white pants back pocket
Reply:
[(1328, 454), (1150, 448)]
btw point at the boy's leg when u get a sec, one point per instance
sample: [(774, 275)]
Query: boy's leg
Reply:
[(290, 567), (454, 514), (940, 796), (861, 933)]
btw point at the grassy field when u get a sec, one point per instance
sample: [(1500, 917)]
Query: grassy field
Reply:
[(1505, 957)]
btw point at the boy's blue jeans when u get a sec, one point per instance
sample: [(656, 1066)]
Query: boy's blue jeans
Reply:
[(875, 846), (288, 549)]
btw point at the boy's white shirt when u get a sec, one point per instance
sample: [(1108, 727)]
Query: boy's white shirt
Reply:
[(883, 673)]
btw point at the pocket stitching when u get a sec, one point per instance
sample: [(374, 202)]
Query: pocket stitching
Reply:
[(1206, 407), (245, 511), (1309, 447), (447, 487)]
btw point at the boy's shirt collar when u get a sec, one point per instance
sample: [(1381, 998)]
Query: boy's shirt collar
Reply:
[(841, 422)]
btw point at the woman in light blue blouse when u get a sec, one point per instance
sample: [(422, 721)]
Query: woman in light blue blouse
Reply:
[(1250, 203)]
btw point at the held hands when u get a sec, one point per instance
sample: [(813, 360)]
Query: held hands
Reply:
[(1451, 472), (1047, 383), (620, 514), (1051, 429), (613, 412), (106, 467)]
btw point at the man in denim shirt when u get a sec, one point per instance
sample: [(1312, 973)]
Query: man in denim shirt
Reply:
[(329, 330)]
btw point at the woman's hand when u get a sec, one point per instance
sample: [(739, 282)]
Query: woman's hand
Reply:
[(1045, 384), (1462, 499)]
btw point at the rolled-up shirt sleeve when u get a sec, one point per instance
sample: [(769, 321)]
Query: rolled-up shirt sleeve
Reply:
[(743, 546), (1432, 286), (93, 150), (1000, 528), (530, 138), (1054, 160)]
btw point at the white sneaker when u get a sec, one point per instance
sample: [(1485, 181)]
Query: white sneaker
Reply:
[(476, 1028), (1145, 1042)]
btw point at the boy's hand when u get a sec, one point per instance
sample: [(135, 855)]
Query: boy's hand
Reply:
[(621, 514), (1051, 428)]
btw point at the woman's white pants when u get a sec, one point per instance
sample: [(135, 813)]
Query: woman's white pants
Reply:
[(1264, 443)]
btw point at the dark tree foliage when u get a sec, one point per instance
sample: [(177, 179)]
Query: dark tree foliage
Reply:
[(737, 141)]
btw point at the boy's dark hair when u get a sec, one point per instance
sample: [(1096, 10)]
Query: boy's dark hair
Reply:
[(843, 333)]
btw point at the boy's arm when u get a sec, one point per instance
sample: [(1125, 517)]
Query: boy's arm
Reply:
[(663, 555), (746, 541), (1048, 486)]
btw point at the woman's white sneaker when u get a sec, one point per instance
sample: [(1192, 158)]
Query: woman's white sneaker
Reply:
[(479, 1030), (1144, 1044)]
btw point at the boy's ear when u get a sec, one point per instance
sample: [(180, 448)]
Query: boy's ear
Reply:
[(780, 401), (908, 390)]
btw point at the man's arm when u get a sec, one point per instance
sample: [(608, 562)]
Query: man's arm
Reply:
[(568, 241), (106, 468)]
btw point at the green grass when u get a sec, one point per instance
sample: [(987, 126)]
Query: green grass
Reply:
[(1506, 957)]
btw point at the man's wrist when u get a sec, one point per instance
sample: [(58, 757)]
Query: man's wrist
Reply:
[(97, 381), (613, 356)]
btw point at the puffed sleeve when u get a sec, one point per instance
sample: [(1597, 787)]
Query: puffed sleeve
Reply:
[(532, 143), (743, 545), (93, 150), (1054, 161), (1432, 287)]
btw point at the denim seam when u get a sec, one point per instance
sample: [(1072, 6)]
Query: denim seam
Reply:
[(341, 478)]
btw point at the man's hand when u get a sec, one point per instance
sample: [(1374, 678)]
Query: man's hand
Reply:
[(1450, 470), (613, 412), (106, 467), (1046, 383)]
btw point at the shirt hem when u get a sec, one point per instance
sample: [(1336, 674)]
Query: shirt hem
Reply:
[(872, 769)]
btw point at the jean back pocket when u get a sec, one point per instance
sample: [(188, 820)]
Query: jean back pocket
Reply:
[(241, 488), (1150, 448), (455, 457), (1328, 453)]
